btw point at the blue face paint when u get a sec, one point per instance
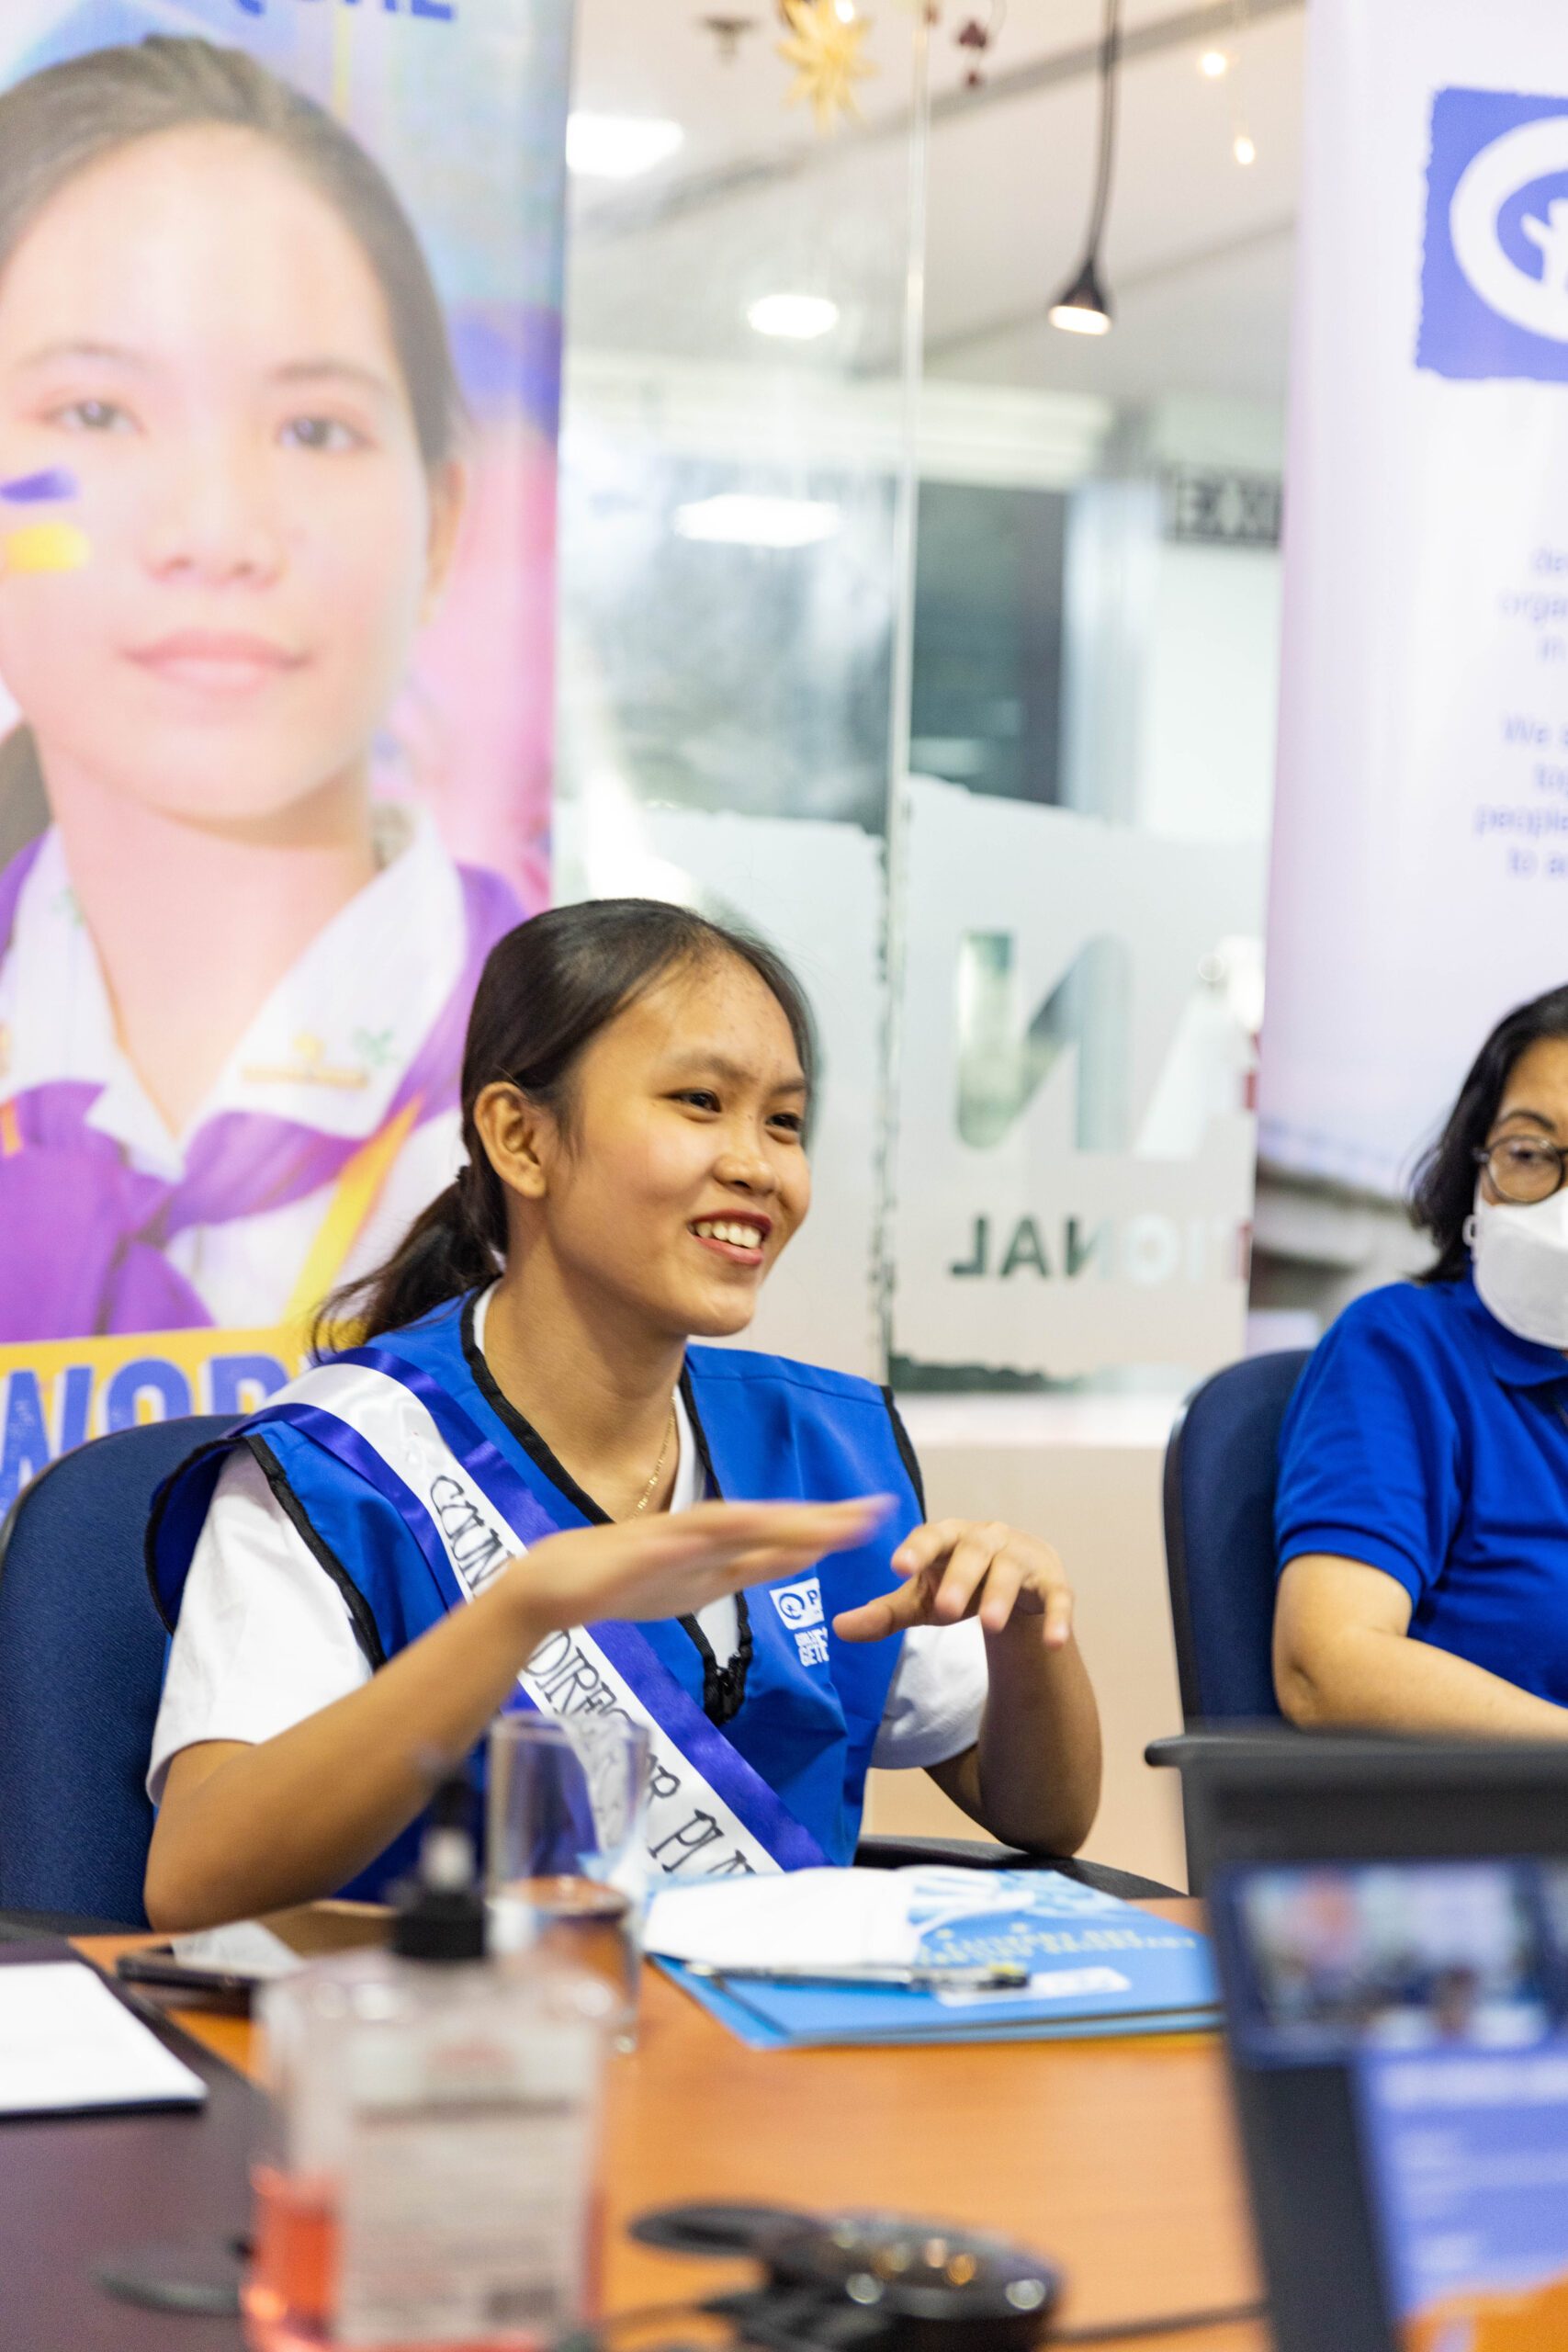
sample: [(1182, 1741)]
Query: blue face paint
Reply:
[(29, 489)]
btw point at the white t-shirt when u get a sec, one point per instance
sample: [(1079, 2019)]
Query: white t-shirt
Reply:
[(330, 1047), (265, 1636)]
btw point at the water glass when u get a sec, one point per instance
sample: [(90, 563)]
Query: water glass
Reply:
[(566, 1862)]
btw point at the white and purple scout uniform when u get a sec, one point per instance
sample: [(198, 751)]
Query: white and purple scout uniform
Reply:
[(333, 1120), (388, 1485)]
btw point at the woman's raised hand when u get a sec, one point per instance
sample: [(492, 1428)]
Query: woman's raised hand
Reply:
[(963, 1567), (675, 1564)]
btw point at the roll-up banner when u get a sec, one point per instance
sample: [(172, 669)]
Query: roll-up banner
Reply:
[(280, 367), (1420, 861)]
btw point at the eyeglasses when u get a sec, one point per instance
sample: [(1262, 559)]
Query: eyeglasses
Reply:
[(1524, 1167)]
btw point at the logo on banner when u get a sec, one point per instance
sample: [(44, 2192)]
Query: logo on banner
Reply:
[(1494, 273)]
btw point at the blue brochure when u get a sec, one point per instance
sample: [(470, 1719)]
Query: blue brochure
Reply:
[(1097, 1965)]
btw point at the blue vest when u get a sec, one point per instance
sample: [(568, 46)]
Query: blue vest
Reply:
[(767, 1429)]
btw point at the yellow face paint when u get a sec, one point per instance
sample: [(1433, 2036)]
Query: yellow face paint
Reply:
[(45, 547)]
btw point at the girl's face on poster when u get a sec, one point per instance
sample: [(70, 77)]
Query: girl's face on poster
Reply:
[(196, 335)]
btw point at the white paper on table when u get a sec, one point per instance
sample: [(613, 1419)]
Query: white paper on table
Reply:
[(851, 1918), (66, 2043), (831, 1919), (822, 1919), (243, 1948)]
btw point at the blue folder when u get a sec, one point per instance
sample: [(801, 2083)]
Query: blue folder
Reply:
[(1096, 1966)]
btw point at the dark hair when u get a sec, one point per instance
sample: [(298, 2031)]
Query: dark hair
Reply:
[(547, 991), (65, 119), (1442, 1191)]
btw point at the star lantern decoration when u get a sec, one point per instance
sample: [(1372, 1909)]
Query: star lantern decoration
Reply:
[(824, 48)]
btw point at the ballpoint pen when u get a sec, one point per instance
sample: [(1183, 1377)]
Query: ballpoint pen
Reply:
[(993, 1976)]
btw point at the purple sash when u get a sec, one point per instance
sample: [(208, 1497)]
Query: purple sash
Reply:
[(83, 1234)]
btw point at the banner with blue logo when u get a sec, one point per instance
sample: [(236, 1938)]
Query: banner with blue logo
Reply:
[(1420, 865)]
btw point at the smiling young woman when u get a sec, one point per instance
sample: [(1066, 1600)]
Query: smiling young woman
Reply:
[(528, 1448)]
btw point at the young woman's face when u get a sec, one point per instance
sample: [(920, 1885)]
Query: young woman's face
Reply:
[(684, 1173), (197, 335)]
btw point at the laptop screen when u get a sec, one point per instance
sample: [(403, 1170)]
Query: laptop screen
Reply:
[(1433, 1996)]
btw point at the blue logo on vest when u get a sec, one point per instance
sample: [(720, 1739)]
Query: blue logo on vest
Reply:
[(1495, 272), (800, 1606)]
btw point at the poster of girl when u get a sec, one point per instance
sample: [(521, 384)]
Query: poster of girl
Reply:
[(235, 491)]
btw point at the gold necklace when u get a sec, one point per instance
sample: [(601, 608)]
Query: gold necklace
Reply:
[(642, 1502)]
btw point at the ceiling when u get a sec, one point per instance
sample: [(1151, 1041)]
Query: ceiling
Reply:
[(1198, 254)]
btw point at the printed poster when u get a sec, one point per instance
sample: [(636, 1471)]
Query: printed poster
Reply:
[(279, 368), (1420, 862)]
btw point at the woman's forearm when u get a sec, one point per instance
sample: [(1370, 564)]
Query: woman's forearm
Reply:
[(1364, 1677), (295, 1817), (1033, 1778), (245, 1830)]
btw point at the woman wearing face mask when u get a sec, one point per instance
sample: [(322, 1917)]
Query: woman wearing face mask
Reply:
[(1422, 1510), (528, 1476)]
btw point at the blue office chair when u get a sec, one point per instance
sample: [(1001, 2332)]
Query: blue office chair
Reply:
[(1220, 1471), (81, 1666)]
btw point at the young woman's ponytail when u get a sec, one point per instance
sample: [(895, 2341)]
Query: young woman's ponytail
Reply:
[(547, 991), (457, 1244)]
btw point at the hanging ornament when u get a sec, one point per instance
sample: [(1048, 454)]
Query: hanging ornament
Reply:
[(824, 49), (728, 32), (977, 37)]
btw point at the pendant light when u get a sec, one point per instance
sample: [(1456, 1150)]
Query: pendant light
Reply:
[(1083, 307)]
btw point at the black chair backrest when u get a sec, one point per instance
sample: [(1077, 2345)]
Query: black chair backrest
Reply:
[(1220, 1471), (81, 1670)]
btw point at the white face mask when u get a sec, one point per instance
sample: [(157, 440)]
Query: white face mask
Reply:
[(1521, 1265)]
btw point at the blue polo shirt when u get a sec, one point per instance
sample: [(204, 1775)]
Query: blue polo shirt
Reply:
[(1429, 1441)]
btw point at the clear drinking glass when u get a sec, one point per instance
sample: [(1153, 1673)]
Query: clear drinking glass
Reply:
[(566, 1862)]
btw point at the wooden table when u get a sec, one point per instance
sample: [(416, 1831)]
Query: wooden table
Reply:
[(1117, 2159)]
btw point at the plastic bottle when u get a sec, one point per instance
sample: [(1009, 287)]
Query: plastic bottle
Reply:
[(436, 2124)]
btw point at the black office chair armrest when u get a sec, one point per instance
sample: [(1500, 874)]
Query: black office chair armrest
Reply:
[(979, 1854), (1239, 1738), (1176, 1747)]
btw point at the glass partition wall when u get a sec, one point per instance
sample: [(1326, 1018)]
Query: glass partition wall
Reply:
[(734, 547), (990, 763)]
